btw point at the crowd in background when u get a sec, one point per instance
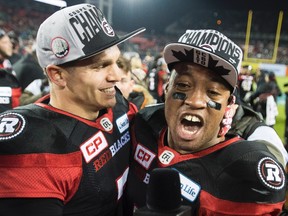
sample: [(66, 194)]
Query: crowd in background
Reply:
[(145, 73), (143, 80), (260, 90), (24, 19)]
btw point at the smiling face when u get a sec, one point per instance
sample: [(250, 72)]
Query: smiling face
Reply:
[(86, 86), (6, 47), (193, 125)]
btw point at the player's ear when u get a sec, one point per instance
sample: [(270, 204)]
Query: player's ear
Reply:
[(166, 90), (166, 87), (231, 99), (228, 116), (55, 75)]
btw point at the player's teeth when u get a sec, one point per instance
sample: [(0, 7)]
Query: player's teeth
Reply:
[(108, 90), (192, 118)]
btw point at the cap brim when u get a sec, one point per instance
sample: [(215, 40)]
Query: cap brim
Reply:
[(170, 56), (116, 42)]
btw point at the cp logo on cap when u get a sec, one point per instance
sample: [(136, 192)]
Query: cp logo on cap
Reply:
[(271, 173), (60, 47)]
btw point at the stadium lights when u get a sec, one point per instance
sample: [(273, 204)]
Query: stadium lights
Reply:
[(58, 3)]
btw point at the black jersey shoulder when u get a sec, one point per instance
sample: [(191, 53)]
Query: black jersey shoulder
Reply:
[(34, 129), (152, 116)]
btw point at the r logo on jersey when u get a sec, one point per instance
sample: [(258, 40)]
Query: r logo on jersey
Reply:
[(11, 125), (271, 173)]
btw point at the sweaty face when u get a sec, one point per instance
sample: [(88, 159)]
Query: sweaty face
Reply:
[(6, 47), (91, 82), (193, 125)]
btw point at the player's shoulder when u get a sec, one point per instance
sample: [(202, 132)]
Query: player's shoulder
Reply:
[(151, 118), (151, 111), (152, 114), (255, 161), (27, 129), (14, 122)]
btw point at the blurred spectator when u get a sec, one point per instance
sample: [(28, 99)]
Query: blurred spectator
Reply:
[(126, 83), (139, 76), (157, 78), (139, 89), (130, 85), (16, 47), (27, 68), (6, 51), (262, 99), (35, 90), (276, 92), (136, 63), (10, 91), (245, 82)]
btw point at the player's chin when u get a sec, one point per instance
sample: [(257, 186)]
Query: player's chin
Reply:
[(186, 147), (110, 103)]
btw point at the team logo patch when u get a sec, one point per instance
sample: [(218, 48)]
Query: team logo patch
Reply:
[(271, 173), (106, 124), (60, 47), (11, 125), (94, 146), (189, 189), (122, 123), (144, 156), (107, 28), (166, 157)]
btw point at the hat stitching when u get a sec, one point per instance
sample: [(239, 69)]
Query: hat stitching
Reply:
[(189, 55)]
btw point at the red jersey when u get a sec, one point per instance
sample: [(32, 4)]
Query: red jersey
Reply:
[(235, 177), (72, 165)]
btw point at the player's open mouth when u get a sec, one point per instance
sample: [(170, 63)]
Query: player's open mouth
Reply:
[(108, 90), (191, 123)]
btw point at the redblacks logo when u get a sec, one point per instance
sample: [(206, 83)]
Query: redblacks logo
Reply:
[(271, 173), (11, 125)]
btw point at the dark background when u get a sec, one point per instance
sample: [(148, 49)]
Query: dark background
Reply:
[(155, 15)]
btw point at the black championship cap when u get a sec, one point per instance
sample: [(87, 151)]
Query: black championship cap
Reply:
[(208, 48)]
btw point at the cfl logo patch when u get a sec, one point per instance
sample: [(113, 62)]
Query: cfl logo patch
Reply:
[(166, 157), (106, 124), (271, 173), (11, 125), (143, 156)]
